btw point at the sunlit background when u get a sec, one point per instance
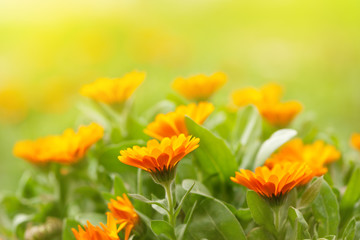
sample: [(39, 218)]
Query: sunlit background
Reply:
[(48, 49)]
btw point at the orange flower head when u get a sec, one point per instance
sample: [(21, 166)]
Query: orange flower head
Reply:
[(315, 155), (267, 101), (124, 213), (67, 148), (276, 182), (160, 158), (281, 113), (90, 232), (199, 87), (173, 123), (355, 141), (111, 91)]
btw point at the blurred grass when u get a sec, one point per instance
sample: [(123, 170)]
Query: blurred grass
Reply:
[(49, 49)]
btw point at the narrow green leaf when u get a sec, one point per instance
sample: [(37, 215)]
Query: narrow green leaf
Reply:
[(274, 142), (261, 211), (350, 230), (326, 211), (352, 193), (299, 224), (177, 211), (248, 125), (198, 188), (310, 193), (214, 156), (213, 220), (161, 227), (158, 203)]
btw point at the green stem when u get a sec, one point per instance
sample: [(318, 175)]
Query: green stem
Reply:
[(139, 190), (169, 198)]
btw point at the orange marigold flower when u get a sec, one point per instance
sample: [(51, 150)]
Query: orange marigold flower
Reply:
[(315, 155), (124, 213), (281, 113), (90, 232), (275, 182), (160, 158), (173, 123), (355, 140), (67, 148), (267, 101), (112, 91), (199, 87)]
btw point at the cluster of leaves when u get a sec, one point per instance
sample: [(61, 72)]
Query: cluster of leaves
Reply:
[(50, 200)]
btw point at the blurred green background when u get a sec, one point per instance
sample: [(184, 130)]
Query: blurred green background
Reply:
[(48, 49)]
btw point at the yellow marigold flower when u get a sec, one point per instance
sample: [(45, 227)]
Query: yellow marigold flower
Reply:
[(355, 140), (275, 182), (267, 101), (124, 213), (112, 91), (315, 155), (90, 232), (160, 158), (199, 87), (67, 148), (271, 92), (173, 123), (281, 113), (247, 96)]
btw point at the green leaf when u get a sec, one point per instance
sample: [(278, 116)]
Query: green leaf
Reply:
[(259, 233), (109, 157), (68, 224), (274, 142), (213, 220), (161, 227), (213, 155), (159, 203), (352, 193), (261, 211), (119, 187), (350, 230), (326, 211), (248, 125), (198, 188), (177, 211), (310, 193), (299, 224)]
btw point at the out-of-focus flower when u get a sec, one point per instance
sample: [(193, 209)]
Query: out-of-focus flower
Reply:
[(355, 140), (90, 232), (173, 123), (160, 158), (199, 87), (281, 113), (267, 101), (315, 155), (66, 149), (111, 91), (275, 182), (13, 105), (124, 213)]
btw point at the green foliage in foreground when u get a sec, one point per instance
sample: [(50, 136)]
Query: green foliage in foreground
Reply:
[(51, 200)]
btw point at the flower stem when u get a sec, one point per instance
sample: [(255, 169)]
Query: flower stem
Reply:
[(169, 198)]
